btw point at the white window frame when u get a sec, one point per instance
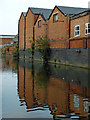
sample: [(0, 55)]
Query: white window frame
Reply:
[(76, 30), (86, 24), (76, 101)]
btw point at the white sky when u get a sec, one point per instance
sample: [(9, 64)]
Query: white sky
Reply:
[(10, 11)]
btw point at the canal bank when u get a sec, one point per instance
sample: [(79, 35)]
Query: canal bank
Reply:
[(78, 57)]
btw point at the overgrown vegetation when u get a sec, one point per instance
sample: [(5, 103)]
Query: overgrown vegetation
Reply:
[(55, 59), (15, 50), (8, 48), (3, 51), (31, 50), (42, 46)]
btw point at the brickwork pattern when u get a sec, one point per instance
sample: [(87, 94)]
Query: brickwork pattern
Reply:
[(4, 41), (21, 32), (29, 28)]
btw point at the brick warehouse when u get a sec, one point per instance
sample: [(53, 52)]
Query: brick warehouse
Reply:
[(7, 40), (67, 29)]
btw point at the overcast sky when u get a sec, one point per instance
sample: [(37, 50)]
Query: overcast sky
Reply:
[(10, 11)]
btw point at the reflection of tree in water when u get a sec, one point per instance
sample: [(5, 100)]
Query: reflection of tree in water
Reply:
[(42, 78), (43, 81)]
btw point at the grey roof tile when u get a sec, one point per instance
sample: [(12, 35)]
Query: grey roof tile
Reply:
[(71, 10), (44, 12)]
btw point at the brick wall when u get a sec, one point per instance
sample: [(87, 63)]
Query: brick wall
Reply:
[(21, 32), (29, 28), (57, 44), (57, 30), (4, 41), (40, 31), (88, 42), (80, 43), (79, 21)]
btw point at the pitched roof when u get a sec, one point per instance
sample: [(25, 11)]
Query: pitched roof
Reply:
[(71, 10), (24, 14), (43, 11), (7, 36)]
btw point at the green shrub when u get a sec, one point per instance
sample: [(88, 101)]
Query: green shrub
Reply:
[(55, 59), (42, 46), (8, 48)]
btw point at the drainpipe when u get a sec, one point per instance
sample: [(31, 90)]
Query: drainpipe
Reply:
[(24, 35), (68, 32), (33, 34), (46, 29)]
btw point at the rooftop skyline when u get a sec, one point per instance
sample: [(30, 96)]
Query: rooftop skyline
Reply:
[(10, 11)]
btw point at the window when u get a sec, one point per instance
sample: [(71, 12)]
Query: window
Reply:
[(87, 28), (77, 30), (86, 106), (55, 17), (39, 23), (76, 101)]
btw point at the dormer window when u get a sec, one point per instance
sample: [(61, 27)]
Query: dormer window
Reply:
[(55, 17), (87, 28), (39, 23)]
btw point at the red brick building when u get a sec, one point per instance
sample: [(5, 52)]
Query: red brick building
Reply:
[(61, 25), (7, 40), (32, 15), (80, 30), (57, 24), (21, 28), (65, 27), (40, 27)]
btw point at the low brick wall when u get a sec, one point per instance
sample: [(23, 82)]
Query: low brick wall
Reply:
[(57, 43), (73, 43), (79, 43)]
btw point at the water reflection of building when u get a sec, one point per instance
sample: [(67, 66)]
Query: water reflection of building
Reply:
[(62, 97), (21, 83), (9, 63)]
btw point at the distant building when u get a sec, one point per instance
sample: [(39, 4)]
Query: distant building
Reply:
[(8, 40)]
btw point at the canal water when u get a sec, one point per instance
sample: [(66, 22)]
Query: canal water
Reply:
[(35, 90)]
